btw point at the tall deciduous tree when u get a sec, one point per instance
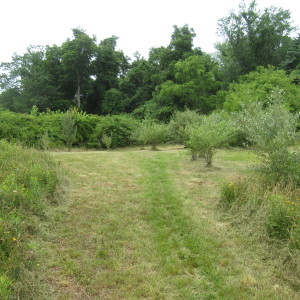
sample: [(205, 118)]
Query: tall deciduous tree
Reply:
[(29, 76), (109, 66), (193, 85), (253, 38), (77, 56), (139, 83), (292, 59), (259, 86)]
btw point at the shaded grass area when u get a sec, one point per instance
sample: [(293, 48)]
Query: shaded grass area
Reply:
[(144, 225)]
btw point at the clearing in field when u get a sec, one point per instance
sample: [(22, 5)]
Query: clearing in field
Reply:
[(145, 225)]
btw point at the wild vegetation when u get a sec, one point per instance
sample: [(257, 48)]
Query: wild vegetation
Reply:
[(29, 183), (154, 224)]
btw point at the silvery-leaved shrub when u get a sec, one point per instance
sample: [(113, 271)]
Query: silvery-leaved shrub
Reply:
[(215, 131), (107, 141), (151, 133), (180, 121), (272, 130)]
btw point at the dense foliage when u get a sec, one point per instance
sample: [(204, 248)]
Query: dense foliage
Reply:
[(58, 129), (98, 79), (272, 130)]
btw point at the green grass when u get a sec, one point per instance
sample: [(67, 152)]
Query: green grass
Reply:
[(145, 225), (29, 182)]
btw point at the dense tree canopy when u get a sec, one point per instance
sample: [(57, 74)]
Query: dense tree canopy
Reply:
[(254, 38), (258, 55), (259, 85)]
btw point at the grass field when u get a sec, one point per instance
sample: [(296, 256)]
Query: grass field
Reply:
[(145, 225)]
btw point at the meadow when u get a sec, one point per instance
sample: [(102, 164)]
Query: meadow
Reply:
[(140, 224)]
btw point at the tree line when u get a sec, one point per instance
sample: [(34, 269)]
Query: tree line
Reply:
[(259, 53)]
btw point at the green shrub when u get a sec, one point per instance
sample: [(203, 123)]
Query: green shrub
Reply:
[(119, 128), (180, 122), (151, 133), (272, 130), (229, 194), (280, 220), (107, 141), (28, 130), (215, 131), (45, 141), (86, 125), (69, 129)]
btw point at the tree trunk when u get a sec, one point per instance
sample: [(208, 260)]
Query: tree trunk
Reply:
[(194, 155), (78, 90)]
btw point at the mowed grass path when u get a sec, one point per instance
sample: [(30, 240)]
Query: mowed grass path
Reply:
[(144, 225)]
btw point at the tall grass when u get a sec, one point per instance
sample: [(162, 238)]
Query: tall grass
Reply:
[(270, 215), (28, 184)]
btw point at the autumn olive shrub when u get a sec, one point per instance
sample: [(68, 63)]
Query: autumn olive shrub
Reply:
[(151, 133), (268, 200), (180, 123), (215, 131), (272, 130)]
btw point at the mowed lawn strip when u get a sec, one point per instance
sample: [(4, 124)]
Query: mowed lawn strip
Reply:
[(143, 225), (103, 247), (191, 256)]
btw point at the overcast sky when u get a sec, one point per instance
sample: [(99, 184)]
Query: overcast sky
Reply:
[(139, 24)]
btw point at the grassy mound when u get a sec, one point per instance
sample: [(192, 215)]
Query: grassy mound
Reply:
[(29, 181)]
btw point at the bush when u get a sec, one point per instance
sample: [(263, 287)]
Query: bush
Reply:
[(180, 122), (86, 125), (272, 130), (45, 141), (229, 194), (281, 219), (151, 133), (119, 128), (215, 131), (69, 129), (28, 130), (107, 141)]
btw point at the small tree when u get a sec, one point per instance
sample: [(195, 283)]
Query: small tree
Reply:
[(215, 131), (69, 129)]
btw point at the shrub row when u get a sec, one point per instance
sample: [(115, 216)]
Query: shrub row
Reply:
[(31, 130)]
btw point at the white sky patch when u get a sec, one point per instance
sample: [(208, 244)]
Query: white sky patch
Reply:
[(139, 24)]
